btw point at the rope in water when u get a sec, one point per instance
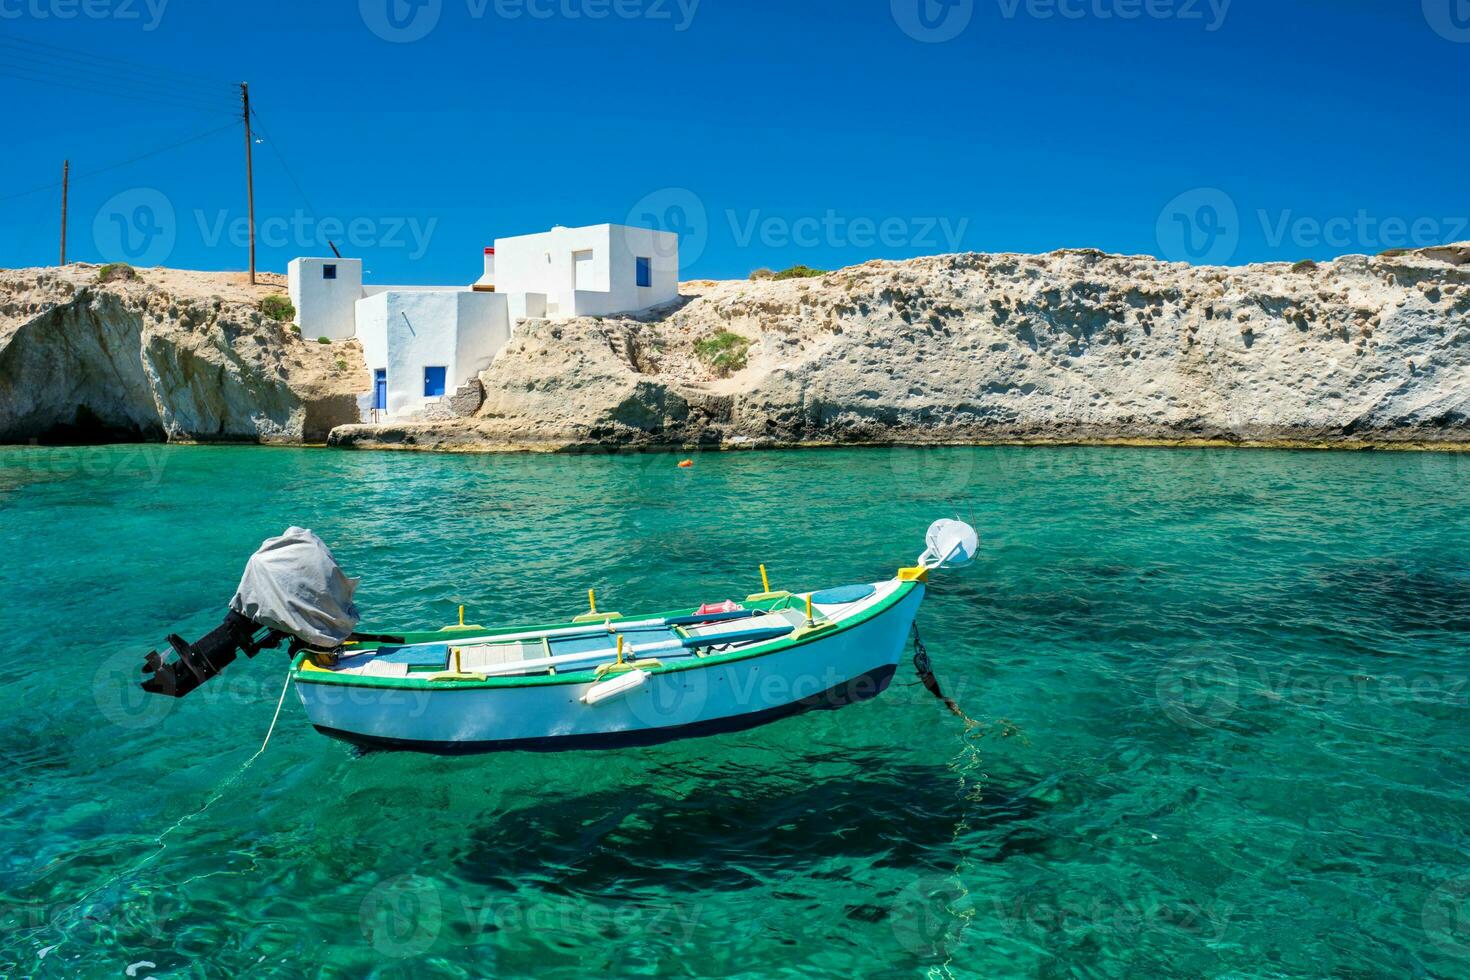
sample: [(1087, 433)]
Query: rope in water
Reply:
[(925, 668), (274, 718), (152, 856)]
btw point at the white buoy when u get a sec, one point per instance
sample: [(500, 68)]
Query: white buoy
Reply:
[(950, 544)]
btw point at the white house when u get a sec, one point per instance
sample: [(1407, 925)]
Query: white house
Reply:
[(323, 292), (423, 342), (599, 270)]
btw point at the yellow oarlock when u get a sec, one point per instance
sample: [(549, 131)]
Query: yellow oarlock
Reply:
[(916, 574), (766, 592), (592, 615), (461, 624), (457, 673)]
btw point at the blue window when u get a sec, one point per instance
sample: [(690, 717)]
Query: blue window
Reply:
[(433, 382), (645, 271), (329, 272), (380, 388)]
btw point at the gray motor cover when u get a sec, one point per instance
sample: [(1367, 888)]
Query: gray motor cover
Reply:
[(293, 584)]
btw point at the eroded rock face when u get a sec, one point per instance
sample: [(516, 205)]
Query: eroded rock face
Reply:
[(171, 355), (1073, 345)]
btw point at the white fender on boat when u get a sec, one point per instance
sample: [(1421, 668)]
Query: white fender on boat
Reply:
[(621, 684), (950, 544)]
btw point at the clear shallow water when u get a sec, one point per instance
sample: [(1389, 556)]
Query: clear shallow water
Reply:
[(1239, 682)]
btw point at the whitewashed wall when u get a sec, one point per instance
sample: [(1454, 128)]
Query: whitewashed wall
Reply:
[(325, 307), (406, 331), (607, 284), (627, 244)]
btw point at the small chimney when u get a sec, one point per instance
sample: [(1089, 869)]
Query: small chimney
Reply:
[(486, 283)]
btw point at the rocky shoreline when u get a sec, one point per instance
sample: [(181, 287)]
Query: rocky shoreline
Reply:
[(1071, 347), (167, 355)]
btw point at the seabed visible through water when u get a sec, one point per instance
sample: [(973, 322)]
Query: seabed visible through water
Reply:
[(1225, 700)]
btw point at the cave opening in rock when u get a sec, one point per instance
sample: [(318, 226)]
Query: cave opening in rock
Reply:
[(87, 428)]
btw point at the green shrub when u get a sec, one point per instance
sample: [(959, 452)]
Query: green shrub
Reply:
[(324, 340), (1390, 253), (278, 308), (799, 272), (725, 352), (1305, 265), (296, 329), (340, 364), (116, 272)]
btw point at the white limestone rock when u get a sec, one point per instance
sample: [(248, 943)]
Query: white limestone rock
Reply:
[(1068, 346), (183, 356)]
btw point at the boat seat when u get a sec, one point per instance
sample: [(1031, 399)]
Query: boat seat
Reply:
[(380, 669), (796, 615), (418, 655), (608, 642), (725, 631), (842, 595), (477, 659), (732, 637), (367, 665)]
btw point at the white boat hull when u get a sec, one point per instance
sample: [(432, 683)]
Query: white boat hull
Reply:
[(852, 664)]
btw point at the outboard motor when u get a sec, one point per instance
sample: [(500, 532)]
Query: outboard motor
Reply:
[(292, 589)]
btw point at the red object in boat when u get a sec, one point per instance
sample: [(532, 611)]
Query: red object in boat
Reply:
[(728, 606)]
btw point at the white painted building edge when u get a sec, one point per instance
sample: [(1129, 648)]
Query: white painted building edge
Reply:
[(597, 270)]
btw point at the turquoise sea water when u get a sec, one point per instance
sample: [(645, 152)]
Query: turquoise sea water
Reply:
[(1226, 696)]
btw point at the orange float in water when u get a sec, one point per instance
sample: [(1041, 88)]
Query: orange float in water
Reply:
[(686, 464)]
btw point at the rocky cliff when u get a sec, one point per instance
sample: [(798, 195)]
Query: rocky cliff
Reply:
[(167, 355), (1069, 346)]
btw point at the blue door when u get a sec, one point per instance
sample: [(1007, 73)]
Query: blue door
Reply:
[(380, 389)]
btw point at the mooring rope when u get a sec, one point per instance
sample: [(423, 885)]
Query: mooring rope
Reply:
[(925, 668), (274, 718), (223, 788)]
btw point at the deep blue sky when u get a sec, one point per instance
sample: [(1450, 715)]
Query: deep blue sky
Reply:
[(771, 133)]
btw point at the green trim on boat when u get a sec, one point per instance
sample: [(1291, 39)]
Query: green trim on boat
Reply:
[(587, 675)]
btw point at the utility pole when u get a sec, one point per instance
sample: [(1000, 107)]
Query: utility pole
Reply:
[(65, 179), (249, 175)]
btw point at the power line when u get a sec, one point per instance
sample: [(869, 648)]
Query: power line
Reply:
[(49, 64), (53, 52), (99, 88), (116, 89), (25, 61), (270, 141), (122, 163)]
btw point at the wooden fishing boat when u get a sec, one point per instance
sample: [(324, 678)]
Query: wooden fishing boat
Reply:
[(599, 680)]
